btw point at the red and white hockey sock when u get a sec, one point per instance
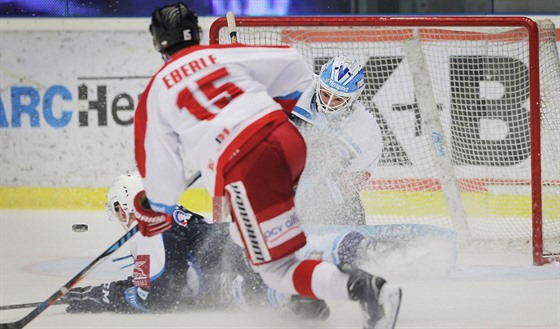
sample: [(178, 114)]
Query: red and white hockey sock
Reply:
[(321, 280), (309, 278)]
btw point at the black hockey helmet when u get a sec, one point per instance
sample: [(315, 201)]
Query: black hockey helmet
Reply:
[(174, 27)]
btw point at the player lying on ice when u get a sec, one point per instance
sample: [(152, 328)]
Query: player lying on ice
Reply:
[(197, 264), (222, 110)]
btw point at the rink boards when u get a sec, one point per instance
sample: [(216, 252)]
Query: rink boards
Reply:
[(377, 203)]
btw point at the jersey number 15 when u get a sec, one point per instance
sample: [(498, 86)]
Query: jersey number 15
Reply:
[(227, 92)]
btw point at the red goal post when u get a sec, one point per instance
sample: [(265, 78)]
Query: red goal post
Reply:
[(459, 101)]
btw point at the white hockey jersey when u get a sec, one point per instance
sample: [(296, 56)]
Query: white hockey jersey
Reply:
[(202, 105), (354, 139)]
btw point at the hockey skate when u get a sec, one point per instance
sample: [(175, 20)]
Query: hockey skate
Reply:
[(379, 300)]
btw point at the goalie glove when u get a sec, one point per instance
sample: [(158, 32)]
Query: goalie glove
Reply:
[(150, 222)]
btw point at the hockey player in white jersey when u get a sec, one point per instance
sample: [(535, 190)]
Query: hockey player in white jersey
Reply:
[(166, 272), (222, 110), (343, 145)]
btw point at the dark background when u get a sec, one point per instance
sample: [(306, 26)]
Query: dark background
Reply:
[(144, 8)]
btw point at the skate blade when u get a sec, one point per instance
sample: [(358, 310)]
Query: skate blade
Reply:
[(390, 299)]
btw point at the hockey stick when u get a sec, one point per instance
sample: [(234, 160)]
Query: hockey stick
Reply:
[(220, 204), (26, 305), (231, 26), (62, 291)]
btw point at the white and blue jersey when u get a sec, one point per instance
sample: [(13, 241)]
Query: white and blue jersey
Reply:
[(178, 268), (355, 130), (162, 263), (339, 145)]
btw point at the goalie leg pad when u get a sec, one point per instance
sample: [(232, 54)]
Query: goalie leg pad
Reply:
[(349, 249)]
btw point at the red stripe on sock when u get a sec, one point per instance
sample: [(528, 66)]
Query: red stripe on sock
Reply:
[(302, 277)]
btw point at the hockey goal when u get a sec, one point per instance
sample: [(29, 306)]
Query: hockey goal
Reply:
[(459, 101)]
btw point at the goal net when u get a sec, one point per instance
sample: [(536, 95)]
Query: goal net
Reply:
[(458, 100)]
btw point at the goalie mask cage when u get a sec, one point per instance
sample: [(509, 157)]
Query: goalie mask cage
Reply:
[(458, 100)]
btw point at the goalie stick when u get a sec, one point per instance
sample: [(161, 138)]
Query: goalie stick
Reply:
[(231, 26), (220, 203), (62, 291)]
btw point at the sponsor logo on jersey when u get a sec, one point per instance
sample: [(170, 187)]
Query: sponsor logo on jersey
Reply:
[(277, 231), (282, 229), (181, 217), (141, 272)]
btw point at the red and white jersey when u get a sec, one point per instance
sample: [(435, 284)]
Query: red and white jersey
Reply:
[(201, 106)]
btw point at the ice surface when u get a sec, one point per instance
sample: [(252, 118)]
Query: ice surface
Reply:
[(488, 289)]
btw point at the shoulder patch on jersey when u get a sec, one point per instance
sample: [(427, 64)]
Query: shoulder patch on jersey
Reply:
[(181, 217)]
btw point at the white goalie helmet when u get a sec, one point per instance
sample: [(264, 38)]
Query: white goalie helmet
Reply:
[(341, 81), (120, 198)]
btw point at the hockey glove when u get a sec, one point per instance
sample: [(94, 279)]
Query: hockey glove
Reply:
[(150, 222), (108, 297)]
